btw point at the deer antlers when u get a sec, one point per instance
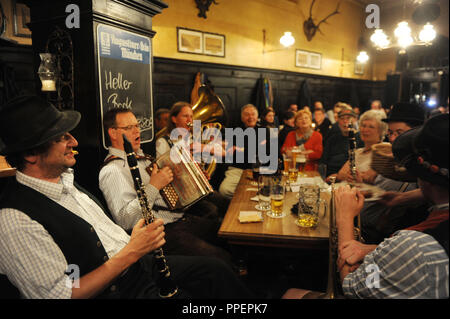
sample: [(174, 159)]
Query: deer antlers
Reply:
[(203, 6), (310, 28)]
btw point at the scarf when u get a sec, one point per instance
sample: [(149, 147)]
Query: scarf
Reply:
[(302, 140)]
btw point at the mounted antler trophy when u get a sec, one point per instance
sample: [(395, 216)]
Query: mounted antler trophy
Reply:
[(203, 6), (310, 28)]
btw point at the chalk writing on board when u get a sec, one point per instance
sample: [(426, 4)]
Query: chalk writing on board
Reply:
[(124, 73)]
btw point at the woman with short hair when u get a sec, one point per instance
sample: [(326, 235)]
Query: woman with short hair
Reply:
[(372, 131), (309, 141)]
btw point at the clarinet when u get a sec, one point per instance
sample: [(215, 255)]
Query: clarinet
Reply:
[(351, 150), (167, 287), (352, 162)]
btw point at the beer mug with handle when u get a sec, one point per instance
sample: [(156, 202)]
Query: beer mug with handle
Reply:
[(310, 205)]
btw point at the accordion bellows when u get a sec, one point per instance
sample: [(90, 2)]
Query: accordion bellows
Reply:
[(189, 184), (383, 163)]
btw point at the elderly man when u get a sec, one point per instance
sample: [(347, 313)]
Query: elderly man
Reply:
[(57, 242), (335, 151), (245, 154)]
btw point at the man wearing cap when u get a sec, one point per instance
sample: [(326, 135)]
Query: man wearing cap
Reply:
[(335, 151), (57, 242), (412, 263), (377, 219)]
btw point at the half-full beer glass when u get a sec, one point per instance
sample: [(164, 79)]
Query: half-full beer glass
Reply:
[(277, 192)]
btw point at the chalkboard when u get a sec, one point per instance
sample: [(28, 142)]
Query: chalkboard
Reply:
[(124, 73)]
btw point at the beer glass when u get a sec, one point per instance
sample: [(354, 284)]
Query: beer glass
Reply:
[(277, 192), (287, 162), (301, 162), (309, 206), (264, 182)]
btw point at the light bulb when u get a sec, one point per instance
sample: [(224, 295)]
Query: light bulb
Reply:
[(403, 35), (402, 30), (287, 39), (427, 34), (380, 39), (362, 57)]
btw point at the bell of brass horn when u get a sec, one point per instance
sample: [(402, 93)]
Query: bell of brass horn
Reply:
[(210, 110), (209, 107)]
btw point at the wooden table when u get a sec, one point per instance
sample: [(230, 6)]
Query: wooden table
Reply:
[(272, 232)]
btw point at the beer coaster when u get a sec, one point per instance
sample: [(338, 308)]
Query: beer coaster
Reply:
[(250, 217), (269, 213), (260, 208)]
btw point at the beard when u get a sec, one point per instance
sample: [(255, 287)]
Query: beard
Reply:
[(54, 169)]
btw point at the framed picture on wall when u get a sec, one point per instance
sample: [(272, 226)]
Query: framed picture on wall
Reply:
[(190, 41), (21, 16), (359, 67), (307, 59), (214, 44)]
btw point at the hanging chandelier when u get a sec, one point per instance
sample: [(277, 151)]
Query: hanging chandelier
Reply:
[(404, 37)]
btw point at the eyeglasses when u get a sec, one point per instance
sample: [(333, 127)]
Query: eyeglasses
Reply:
[(128, 127)]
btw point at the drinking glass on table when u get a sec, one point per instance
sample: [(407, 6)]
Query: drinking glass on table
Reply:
[(287, 162), (277, 193), (309, 206), (264, 182), (301, 163)]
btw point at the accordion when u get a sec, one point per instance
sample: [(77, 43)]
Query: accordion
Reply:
[(189, 183)]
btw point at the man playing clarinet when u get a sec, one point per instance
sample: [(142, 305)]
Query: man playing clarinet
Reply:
[(57, 242)]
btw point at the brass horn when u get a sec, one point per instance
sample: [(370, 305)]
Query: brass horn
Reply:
[(210, 110)]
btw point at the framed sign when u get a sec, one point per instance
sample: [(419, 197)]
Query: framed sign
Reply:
[(124, 75), (21, 15), (359, 67), (307, 59), (214, 44), (190, 41)]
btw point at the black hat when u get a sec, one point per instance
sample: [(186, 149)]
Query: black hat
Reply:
[(29, 121), (424, 150), (406, 112)]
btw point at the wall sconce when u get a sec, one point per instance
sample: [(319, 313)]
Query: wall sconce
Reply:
[(47, 72), (286, 40), (56, 70)]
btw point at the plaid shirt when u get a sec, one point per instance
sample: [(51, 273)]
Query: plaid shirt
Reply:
[(30, 258), (117, 185), (411, 265)]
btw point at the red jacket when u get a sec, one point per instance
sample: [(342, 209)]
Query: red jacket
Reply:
[(314, 144)]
